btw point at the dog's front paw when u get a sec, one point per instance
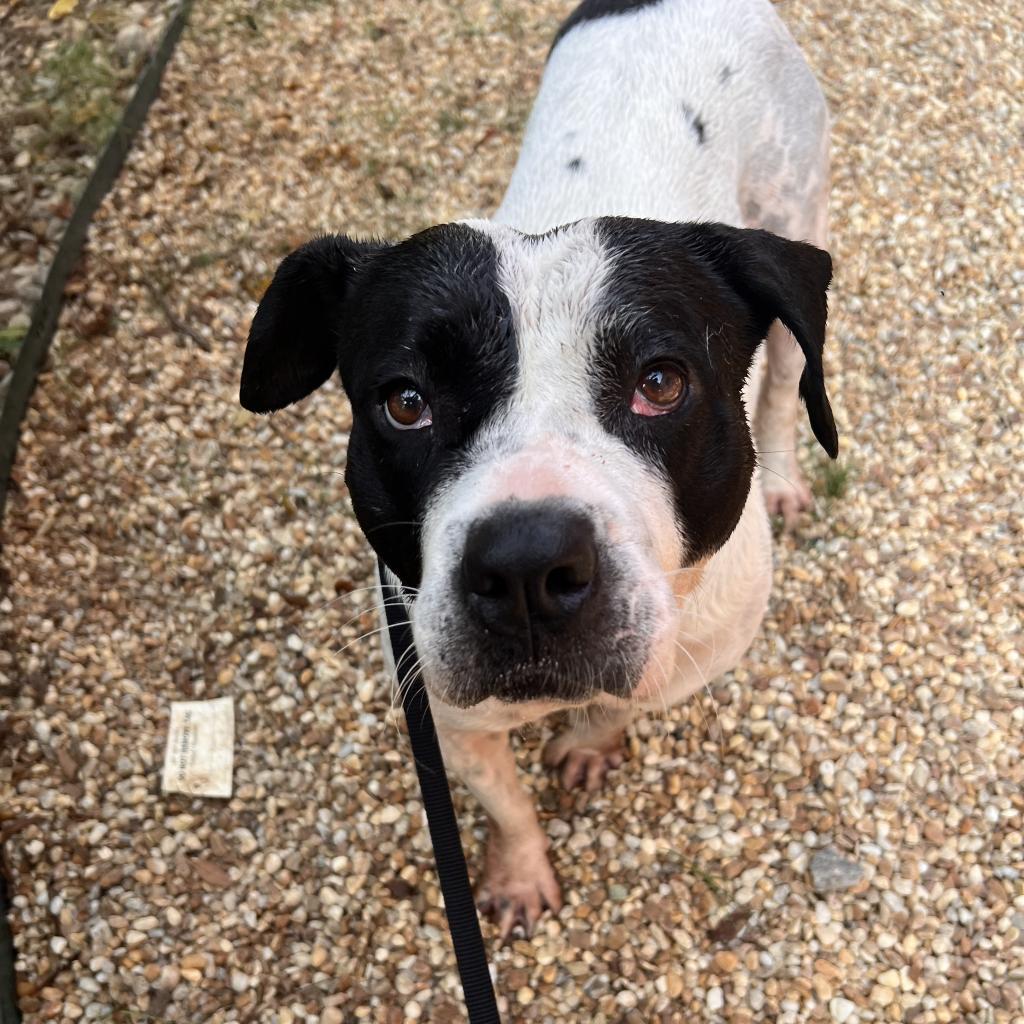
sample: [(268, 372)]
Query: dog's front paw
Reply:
[(519, 885), (785, 491), (582, 765)]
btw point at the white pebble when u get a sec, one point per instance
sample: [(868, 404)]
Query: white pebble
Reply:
[(842, 1010), (390, 813)]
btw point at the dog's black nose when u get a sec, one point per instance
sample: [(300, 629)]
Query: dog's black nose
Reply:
[(530, 565)]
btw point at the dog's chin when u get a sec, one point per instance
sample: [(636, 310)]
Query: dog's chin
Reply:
[(553, 682)]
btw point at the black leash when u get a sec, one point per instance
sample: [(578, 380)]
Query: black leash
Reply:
[(460, 906)]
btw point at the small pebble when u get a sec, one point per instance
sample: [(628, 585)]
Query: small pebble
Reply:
[(842, 1010), (831, 872)]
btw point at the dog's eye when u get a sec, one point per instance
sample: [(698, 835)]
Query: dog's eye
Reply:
[(406, 409), (661, 389)]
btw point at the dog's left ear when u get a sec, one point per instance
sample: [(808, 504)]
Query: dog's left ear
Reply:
[(779, 280), (296, 335)]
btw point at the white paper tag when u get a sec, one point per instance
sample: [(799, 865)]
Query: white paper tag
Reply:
[(200, 747)]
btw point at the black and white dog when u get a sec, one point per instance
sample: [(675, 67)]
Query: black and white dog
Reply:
[(551, 444)]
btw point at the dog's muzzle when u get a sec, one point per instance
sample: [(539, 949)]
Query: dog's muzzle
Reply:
[(538, 615)]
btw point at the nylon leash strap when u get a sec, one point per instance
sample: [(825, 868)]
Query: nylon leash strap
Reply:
[(463, 923)]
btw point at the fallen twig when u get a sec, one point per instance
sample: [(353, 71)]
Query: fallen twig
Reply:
[(172, 318)]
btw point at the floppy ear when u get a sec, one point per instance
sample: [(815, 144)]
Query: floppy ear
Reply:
[(294, 337), (779, 280)]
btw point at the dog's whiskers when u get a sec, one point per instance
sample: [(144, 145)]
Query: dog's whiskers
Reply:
[(662, 690), (702, 675), (397, 522), (769, 469), (411, 592), (369, 633), (400, 686), (392, 602)]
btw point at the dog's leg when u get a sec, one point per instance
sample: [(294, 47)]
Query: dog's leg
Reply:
[(785, 491), (798, 210), (518, 882), (590, 747)]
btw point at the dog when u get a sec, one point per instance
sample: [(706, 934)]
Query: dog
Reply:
[(551, 450)]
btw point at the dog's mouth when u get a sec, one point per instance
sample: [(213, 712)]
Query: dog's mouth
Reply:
[(473, 665)]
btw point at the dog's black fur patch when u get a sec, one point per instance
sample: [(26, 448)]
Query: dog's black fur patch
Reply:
[(431, 312), (428, 311), (703, 296), (591, 10), (696, 124)]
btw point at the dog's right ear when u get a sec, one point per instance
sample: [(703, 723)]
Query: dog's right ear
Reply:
[(294, 338)]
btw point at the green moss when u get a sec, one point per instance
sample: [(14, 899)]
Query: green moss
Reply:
[(449, 121), (82, 105), (10, 341)]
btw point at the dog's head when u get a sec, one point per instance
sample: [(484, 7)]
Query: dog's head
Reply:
[(549, 433)]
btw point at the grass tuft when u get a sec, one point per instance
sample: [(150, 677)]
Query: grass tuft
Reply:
[(834, 480)]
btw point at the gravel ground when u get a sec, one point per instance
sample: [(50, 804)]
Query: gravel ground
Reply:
[(836, 836), (64, 80)]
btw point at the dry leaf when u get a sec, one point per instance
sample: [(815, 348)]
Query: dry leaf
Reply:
[(12, 826), (61, 9), (68, 765), (730, 926), (212, 873)]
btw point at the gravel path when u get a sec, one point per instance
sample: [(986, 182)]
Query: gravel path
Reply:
[(837, 837), (64, 81)]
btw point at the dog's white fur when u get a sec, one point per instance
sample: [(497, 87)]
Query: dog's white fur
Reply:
[(623, 95)]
